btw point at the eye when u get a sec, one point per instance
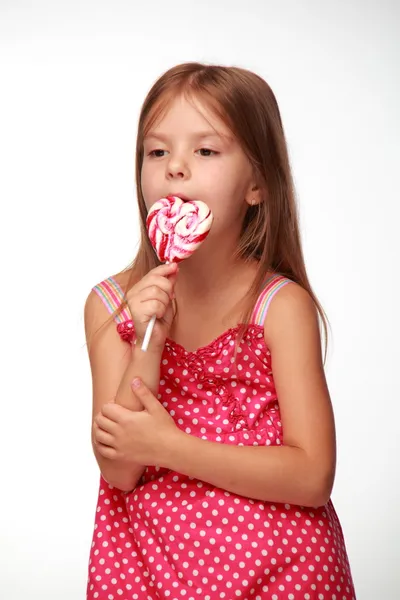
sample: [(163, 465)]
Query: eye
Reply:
[(157, 153), (207, 152)]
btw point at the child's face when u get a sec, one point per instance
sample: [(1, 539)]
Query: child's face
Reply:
[(195, 156)]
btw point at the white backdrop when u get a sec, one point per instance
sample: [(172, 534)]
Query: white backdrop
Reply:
[(73, 76)]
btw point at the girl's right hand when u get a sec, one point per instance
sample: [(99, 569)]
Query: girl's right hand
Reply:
[(153, 295)]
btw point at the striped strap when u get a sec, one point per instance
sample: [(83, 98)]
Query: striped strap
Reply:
[(111, 294), (264, 300)]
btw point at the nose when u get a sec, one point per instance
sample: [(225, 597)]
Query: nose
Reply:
[(177, 168)]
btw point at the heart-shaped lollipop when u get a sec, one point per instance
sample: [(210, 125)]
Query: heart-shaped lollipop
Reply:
[(176, 229)]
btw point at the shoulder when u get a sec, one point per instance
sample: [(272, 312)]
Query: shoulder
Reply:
[(121, 280), (292, 316), (102, 300), (93, 301)]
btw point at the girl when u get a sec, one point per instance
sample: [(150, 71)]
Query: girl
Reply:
[(216, 446)]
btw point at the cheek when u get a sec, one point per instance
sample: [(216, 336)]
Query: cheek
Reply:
[(149, 186), (228, 209), (145, 177), (231, 175), (226, 198), (226, 192)]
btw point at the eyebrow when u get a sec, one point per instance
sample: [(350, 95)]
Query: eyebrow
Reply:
[(199, 135)]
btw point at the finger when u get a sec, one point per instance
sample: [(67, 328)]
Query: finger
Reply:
[(153, 292), (165, 270), (154, 307), (162, 283), (114, 412), (104, 438), (106, 451), (172, 281), (105, 423), (148, 400)]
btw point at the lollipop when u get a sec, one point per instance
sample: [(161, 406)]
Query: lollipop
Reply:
[(176, 229)]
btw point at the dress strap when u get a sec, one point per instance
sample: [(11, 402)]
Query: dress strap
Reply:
[(112, 295), (272, 286)]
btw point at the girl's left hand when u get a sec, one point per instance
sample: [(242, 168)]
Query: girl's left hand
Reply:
[(143, 437)]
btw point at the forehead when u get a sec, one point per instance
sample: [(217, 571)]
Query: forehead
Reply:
[(186, 113)]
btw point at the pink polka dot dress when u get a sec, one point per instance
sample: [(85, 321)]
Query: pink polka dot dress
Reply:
[(175, 537)]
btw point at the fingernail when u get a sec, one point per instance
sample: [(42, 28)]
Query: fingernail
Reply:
[(136, 382)]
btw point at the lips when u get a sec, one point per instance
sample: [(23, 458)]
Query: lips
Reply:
[(181, 196)]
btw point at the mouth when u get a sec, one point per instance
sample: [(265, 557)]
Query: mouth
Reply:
[(181, 196)]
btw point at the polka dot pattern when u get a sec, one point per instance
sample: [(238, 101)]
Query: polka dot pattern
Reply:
[(177, 537)]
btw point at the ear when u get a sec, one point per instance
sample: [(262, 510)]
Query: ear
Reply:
[(254, 195)]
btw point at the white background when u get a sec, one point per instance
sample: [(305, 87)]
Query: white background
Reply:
[(73, 76)]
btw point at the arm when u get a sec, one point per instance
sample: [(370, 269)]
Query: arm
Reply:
[(114, 364), (302, 470)]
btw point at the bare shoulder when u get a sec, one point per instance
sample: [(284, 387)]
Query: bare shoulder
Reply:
[(124, 278), (93, 302), (96, 316), (292, 315)]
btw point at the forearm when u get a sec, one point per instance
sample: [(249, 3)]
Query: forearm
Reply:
[(275, 473), (145, 365)]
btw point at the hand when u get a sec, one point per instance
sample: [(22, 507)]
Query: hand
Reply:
[(153, 295), (143, 437)]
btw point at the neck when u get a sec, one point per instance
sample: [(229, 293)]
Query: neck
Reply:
[(211, 271)]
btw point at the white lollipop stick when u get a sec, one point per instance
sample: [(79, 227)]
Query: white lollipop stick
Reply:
[(149, 331)]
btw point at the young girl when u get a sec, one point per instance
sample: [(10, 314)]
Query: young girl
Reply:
[(216, 446)]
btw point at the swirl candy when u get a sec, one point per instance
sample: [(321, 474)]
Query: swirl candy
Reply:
[(177, 228)]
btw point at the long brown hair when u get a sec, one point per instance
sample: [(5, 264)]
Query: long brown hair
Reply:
[(246, 104)]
